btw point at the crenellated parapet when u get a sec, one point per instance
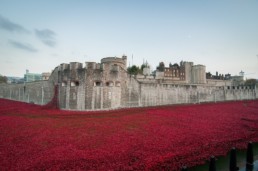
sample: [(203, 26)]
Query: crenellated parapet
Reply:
[(63, 66), (109, 72)]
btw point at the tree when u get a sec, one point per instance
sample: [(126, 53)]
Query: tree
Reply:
[(3, 79), (250, 82), (208, 75), (133, 70)]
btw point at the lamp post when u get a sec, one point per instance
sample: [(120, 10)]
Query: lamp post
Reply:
[(42, 95)]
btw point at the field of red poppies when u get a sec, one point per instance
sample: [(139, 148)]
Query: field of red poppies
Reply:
[(157, 138)]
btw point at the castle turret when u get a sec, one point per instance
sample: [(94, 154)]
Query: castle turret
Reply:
[(199, 74), (90, 65), (75, 65), (188, 71), (122, 62), (124, 57)]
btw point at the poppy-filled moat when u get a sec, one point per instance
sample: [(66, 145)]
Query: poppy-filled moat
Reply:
[(155, 138)]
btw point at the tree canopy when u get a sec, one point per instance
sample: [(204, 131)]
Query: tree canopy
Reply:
[(250, 82), (133, 70), (3, 79)]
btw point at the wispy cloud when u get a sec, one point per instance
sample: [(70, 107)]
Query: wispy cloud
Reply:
[(47, 36), (6, 24), (23, 46)]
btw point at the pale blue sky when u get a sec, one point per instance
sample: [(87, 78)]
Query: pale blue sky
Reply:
[(39, 35)]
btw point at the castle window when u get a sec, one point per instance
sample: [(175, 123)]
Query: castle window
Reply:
[(74, 83), (97, 83), (64, 83), (109, 84), (118, 84)]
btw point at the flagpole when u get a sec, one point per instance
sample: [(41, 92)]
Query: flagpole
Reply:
[(132, 59)]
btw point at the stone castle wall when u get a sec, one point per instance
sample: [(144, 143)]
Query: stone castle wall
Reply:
[(163, 94), (154, 94), (96, 86), (107, 85), (133, 94), (40, 92)]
